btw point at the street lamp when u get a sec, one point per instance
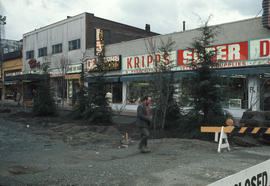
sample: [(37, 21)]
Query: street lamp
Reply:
[(2, 22)]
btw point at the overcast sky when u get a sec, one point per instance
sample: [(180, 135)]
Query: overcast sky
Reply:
[(164, 16)]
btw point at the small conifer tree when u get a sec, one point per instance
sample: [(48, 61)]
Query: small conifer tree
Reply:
[(44, 104), (205, 86)]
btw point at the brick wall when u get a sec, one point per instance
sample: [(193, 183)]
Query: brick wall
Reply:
[(113, 32)]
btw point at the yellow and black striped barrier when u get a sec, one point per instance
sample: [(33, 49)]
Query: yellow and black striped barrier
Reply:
[(236, 130)]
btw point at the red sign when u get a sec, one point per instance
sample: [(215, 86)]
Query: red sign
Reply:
[(99, 50), (223, 53), (33, 63)]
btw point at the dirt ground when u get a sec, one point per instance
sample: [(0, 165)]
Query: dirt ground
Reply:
[(63, 151)]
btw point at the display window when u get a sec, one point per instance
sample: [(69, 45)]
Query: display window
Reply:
[(115, 89), (10, 91), (136, 90), (233, 92)]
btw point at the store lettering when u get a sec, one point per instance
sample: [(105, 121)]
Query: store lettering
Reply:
[(110, 63), (221, 53), (260, 179), (147, 61), (264, 48)]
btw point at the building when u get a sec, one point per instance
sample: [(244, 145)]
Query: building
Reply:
[(12, 65), (8, 46), (11, 45), (242, 47), (62, 46)]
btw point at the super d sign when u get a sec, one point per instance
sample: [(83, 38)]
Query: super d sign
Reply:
[(260, 49), (257, 175), (227, 52)]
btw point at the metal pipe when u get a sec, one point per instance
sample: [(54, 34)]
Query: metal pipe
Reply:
[(2, 22)]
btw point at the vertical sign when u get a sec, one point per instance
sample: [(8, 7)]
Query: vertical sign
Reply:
[(99, 49)]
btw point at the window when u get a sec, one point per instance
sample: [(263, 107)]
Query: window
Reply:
[(117, 92), (30, 54), (136, 90), (42, 52), (107, 36), (233, 90), (57, 48), (74, 44)]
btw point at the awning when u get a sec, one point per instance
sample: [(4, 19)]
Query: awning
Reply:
[(108, 79), (145, 77), (32, 77), (244, 71), (229, 71), (154, 76)]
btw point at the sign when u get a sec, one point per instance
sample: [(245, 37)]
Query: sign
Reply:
[(240, 54), (99, 49), (148, 63), (56, 72), (235, 104), (33, 63), (12, 73), (76, 68), (260, 49), (231, 55), (110, 63), (258, 175), (226, 55), (8, 74)]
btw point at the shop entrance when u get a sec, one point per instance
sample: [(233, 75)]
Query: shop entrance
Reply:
[(265, 105)]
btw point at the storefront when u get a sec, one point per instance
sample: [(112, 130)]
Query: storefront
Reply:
[(242, 59), (59, 85), (72, 78), (11, 87), (12, 65), (26, 83), (244, 66), (111, 76)]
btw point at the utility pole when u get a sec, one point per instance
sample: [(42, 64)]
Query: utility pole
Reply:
[(2, 22)]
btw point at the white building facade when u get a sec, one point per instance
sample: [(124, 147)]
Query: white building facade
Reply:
[(62, 47), (242, 49)]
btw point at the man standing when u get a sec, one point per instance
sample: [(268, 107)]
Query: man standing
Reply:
[(18, 98), (143, 122)]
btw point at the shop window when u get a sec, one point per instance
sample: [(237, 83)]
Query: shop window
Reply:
[(117, 92), (136, 90), (30, 54), (233, 92), (10, 91), (57, 48), (183, 93), (74, 44), (42, 52)]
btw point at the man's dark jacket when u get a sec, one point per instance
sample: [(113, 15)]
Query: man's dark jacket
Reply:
[(143, 120)]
